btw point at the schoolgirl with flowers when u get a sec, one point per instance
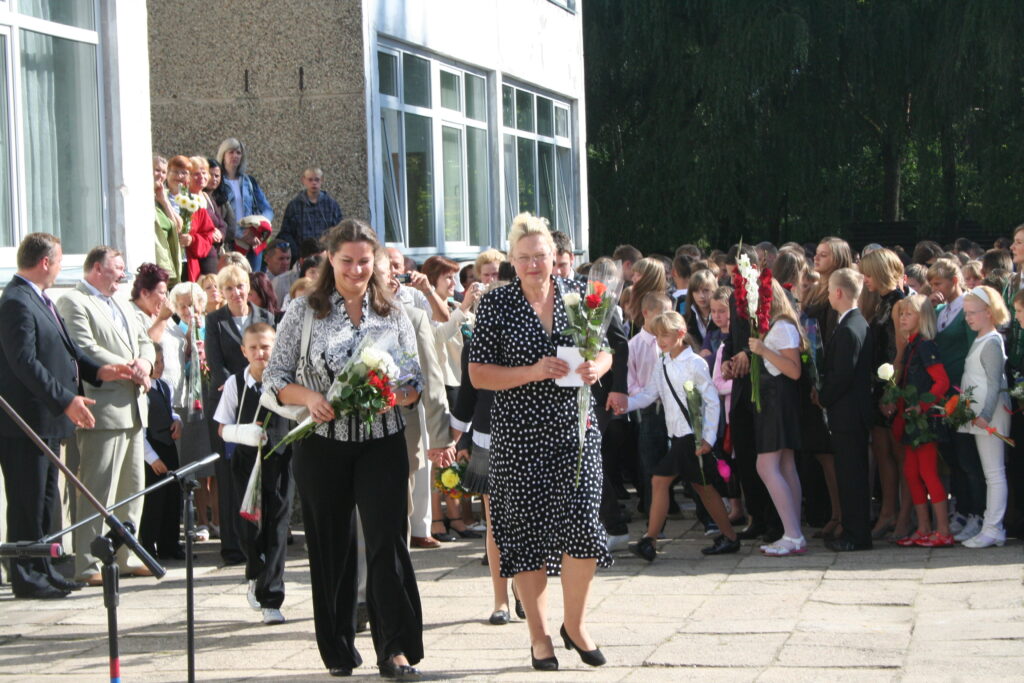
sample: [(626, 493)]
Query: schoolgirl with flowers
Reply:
[(675, 379), (920, 366), (983, 374)]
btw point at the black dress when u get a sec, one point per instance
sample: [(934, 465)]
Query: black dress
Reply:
[(537, 511)]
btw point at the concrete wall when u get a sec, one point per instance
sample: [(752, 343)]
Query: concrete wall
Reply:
[(199, 53)]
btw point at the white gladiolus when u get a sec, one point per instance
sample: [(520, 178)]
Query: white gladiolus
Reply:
[(886, 372), (571, 299)]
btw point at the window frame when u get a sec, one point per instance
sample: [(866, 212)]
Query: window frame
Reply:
[(440, 117), (12, 23)]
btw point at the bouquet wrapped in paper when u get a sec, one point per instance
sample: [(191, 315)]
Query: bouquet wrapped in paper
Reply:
[(195, 368), (589, 315), (753, 292), (364, 387), (252, 500), (959, 411)]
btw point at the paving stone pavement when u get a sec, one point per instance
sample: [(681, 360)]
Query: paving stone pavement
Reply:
[(891, 614)]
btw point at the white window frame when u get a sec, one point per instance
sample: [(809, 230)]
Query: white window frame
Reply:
[(439, 117), (563, 142), (11, 25)]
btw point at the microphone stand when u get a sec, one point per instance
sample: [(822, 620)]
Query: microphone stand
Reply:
[(103, 547)]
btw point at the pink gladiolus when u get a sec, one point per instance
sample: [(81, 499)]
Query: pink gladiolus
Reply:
[(724, 470)]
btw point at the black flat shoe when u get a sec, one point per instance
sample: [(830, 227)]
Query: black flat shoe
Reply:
[(722, 546), (499, 617), (751, 533), (546, 664), (44, 593), (66, 585), (592, 657), (463, 533), (444, 536), (401, 672), (520, 611), (340, 671), (645, 548)]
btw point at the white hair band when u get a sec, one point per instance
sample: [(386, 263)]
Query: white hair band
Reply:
[(981, 294)]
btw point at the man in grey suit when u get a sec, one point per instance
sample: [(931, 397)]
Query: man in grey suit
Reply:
[(112, 451)]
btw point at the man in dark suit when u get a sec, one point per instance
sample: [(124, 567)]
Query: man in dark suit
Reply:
[(846, 396), (41, 370), (224, 329)]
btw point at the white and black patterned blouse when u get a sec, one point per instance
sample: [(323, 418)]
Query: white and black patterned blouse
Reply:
[(332, 341)]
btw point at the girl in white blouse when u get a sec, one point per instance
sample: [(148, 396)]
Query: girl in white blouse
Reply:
[(777, 425)]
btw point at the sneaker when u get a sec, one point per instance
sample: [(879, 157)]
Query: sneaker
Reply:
[(984, 540), (618, 542), (786, 546), (214, 531), (957, 522), (970, 529), (250, 595), (722, 546), (711, 529), (202, 534), (480, 526), (272, 615)]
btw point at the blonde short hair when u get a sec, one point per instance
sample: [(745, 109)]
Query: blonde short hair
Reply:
[(200, 162), (234, 258), (232, 275), (190, 290), (945, 269), (848, 280), (927, 326), (995, 304), (526, 224), (485, 257), (667, 322)]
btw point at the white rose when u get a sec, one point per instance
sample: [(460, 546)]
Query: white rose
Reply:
[(688, 386), (571, 299), (371, 358), (886, 372)]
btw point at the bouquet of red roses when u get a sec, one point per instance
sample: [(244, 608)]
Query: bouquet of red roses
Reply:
[(753, 292)]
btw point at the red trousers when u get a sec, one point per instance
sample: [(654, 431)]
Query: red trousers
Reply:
[(920, 468)]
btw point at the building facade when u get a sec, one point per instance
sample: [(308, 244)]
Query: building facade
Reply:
[(436, 120)]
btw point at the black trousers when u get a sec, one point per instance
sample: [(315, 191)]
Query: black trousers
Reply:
[(616, 433), (851, 457), (966, 476), (228, 500), (159, 530), (334, 478), (30, 481), (265, 546)]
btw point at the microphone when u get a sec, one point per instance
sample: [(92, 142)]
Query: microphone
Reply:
[(26, 549)]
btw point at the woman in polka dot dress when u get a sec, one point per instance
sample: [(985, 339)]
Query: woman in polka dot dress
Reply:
[(543, 523)]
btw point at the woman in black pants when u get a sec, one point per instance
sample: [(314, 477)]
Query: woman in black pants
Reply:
[(348, 463)]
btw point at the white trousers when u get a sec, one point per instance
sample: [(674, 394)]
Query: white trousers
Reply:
[(993, 462)]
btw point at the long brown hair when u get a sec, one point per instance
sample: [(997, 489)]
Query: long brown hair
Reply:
[(349, 230), (652, 279), (842, 257)]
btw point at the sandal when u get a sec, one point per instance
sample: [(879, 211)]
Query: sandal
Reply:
[(443, 536), (786, 546), (912, 540)]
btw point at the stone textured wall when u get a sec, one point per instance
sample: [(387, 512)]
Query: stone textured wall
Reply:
[(199, 53)]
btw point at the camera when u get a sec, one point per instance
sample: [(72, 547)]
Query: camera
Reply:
[(404, 278)]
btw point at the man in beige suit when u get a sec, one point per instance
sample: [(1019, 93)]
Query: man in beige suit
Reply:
[(112, 451)]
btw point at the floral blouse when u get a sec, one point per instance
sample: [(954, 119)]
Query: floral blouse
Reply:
[(332, 342)]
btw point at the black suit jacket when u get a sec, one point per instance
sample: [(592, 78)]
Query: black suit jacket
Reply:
[(846, 382), (41, 368), (224, 343)]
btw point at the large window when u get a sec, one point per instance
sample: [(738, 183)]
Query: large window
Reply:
[(538, 158), (51, 166), (435, 164)]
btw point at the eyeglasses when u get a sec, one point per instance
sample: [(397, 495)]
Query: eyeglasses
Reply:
[(533, 260)]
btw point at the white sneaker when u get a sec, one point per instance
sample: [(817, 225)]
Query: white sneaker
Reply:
[(480, 526), (272, 615), (984, 540), (957, 522), (202, 534), (618, 542), (250, 595), (969, 530)]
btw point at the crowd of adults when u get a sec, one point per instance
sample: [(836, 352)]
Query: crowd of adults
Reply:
[(178, 373)]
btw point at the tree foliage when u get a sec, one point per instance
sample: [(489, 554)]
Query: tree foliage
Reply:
[(791, 119)]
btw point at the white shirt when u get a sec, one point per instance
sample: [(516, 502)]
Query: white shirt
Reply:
[(227, 409), (116, 314), (687, 366), (147, 451), (783, 335), (643, 360), (949, 312)]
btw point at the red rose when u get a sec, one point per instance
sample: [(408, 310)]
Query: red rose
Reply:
[(593, 300)]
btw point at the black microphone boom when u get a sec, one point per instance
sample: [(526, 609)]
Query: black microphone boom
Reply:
[(28, 549)]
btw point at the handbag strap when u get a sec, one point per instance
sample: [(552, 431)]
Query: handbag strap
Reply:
[(686, 413), (307, 329)]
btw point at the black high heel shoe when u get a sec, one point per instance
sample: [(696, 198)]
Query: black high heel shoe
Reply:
[(546, 664), (463, 533), (401, 672), (444, 536), (592, 657)]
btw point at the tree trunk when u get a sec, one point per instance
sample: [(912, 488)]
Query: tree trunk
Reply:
[(891, 163)]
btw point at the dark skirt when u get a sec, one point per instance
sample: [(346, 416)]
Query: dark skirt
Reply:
[(476, 478), (777, 426), (681, 460)]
